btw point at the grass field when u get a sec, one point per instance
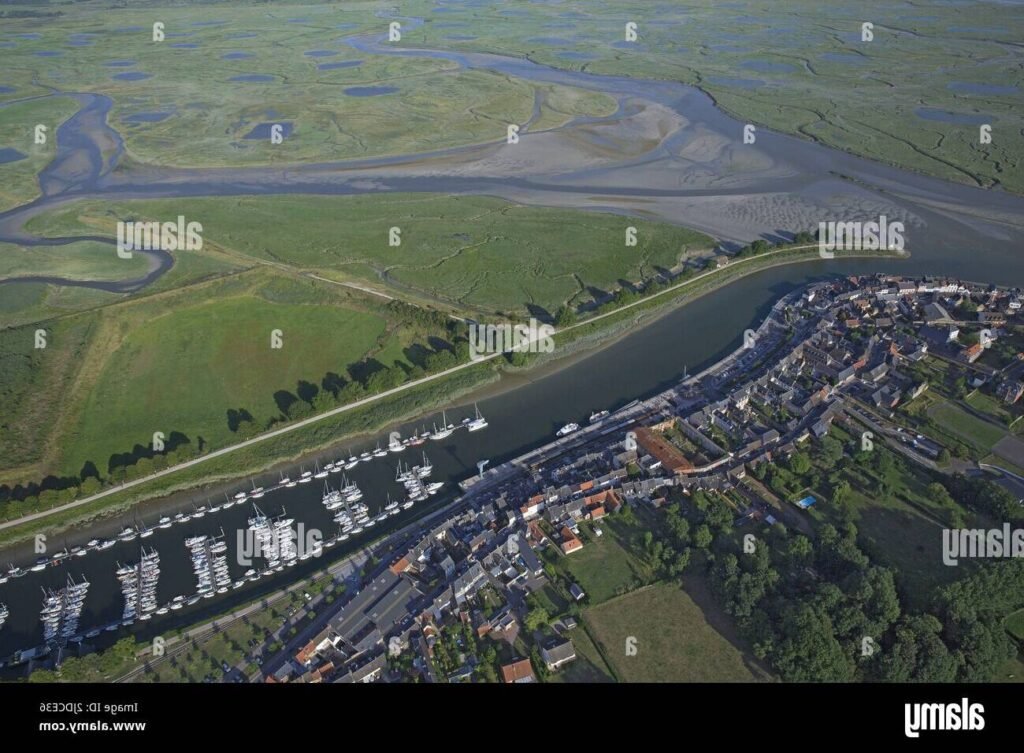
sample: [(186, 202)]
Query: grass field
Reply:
[(85, 260), (990, 406), (607, 565), (183, 371), (674, 641), (1015, 624), (903, 538), (18, 121), (178, 362), (476, 253), (976, 432)]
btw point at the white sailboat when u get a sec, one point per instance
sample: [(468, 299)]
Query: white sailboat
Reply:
[(477, 423), (446, 428)]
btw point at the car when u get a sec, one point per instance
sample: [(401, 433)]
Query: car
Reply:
[(306, 596), (225, 666)]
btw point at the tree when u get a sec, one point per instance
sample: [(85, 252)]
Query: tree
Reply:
[(702, 537), (840, 493), (799, 463), (565, 317), (535, 618)]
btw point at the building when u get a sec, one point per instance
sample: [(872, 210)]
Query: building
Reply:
[(971, 353), (570, 542), (659, 448), (518, 671), (558, 653)]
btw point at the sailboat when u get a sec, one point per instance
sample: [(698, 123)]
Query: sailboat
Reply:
[(477, 423), (446, 428), (422, 471)]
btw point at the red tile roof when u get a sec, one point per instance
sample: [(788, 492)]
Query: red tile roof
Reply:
[(517, 671)]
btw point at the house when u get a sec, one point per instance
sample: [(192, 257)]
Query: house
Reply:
[(971, 353), (518, 671), (933, 313), (369, 672), (447, 566), (570, 542), (532, 507), (468, 583), (530, 561), (558, 653), (577, 592)]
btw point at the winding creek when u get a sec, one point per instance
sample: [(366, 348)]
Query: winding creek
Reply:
[(690, 172)]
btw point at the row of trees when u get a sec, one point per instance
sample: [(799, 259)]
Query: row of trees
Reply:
[(364, 380)]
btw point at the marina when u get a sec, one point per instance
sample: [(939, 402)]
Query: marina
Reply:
[(61, 611), (138, 585)]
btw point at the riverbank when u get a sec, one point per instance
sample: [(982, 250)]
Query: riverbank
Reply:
[(305, 440)]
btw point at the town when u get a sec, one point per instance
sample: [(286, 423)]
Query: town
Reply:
[(490, 591)]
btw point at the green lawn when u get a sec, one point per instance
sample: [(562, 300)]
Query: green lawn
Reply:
[(1015, 624), (990, 406), (607, 565), (184, 370), (976, 432), (674, 642)]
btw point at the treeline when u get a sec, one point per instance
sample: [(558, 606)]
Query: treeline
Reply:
[(759, 247), (626, 294)]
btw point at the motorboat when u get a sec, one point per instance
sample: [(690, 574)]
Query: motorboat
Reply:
[(567, 429)]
